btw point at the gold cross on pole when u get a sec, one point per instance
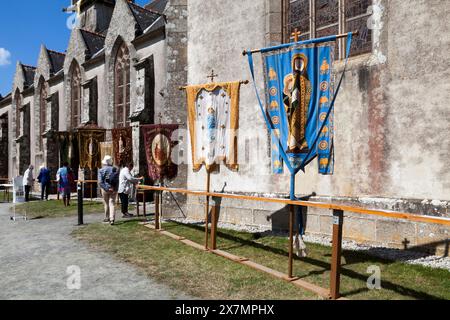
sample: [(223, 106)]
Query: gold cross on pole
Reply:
[(296, 34), (212, 76)]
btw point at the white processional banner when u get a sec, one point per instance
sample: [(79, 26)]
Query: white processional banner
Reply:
[(213, 111)]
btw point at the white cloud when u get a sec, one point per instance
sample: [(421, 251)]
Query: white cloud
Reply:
[(5, 56)]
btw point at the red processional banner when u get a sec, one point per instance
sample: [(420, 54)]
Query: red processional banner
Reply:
[(122, 145), (158, 150)]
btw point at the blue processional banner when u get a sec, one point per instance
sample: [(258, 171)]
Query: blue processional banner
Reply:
[(299, 92)]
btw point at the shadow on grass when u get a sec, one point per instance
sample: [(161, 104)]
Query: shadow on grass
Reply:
[(351, 256), (37, 218)]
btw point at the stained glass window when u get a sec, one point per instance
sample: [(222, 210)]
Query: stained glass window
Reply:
[(122, 88), (319, 18), (356, 18), (297, 18)]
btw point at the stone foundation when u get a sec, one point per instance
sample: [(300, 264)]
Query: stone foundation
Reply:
[(366, 229)]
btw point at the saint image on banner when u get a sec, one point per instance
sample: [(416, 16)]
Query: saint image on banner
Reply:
[(296, 98), (159, 144), (299, 89), (122, 145), (161, 149), (213, 114), (89, 146)]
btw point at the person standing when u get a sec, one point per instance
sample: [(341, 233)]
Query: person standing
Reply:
[(126, 181), (66, 180), (108, 179), (28, 182), (45, 181)]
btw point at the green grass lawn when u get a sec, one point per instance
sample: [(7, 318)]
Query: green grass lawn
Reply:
[(205, 275), (55, 209), (4, 197)]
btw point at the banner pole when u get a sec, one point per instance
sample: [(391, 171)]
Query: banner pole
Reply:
[(208, 183), (291, 227), (291, 207), (310, 41)]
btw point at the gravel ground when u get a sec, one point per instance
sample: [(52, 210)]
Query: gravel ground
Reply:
[(410, 257), (35, 256)]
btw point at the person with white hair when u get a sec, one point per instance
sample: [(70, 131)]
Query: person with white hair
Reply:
[(108, 179), (28, 182)]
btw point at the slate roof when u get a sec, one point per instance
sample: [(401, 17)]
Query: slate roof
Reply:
[(2, 99), (94, 41), (144, 17), (29, 73), (157, 5), (56, 61)]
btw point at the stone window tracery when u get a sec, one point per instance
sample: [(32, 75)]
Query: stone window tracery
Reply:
[(122, 88), (320, 18)]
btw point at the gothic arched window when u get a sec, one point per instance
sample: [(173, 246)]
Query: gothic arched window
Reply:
[(75, 96), (122, 88), (42, 110), (18, 100)]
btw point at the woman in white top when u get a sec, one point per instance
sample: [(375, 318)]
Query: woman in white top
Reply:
[(28, 182), (125, 186)]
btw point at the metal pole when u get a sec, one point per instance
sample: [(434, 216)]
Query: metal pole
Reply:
[(80, 203), (310, 41), (208, 182), (291, 227), (291, 241), (338, 220)]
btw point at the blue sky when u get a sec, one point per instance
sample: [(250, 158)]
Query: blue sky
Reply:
[(24, 26)]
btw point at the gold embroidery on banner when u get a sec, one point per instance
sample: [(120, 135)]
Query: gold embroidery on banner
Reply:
[(325, 67), (233, 91), (272, 74)]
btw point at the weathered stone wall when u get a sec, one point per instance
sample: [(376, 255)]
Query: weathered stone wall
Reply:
[(26, 153), (4, 146), (175, 111), (75, 54), (391, 124), (97, 71)]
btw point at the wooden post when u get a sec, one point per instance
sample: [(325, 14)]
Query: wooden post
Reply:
[(157, 225), (291, 240), (137, 202), (208, 182), (161, 200), (144, 205), (90, 183), (214, 228), (338, 220)]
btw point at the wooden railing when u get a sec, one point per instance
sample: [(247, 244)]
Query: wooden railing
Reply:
[(338, 215)]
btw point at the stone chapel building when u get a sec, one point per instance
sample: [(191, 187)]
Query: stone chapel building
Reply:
[(124, 65)]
